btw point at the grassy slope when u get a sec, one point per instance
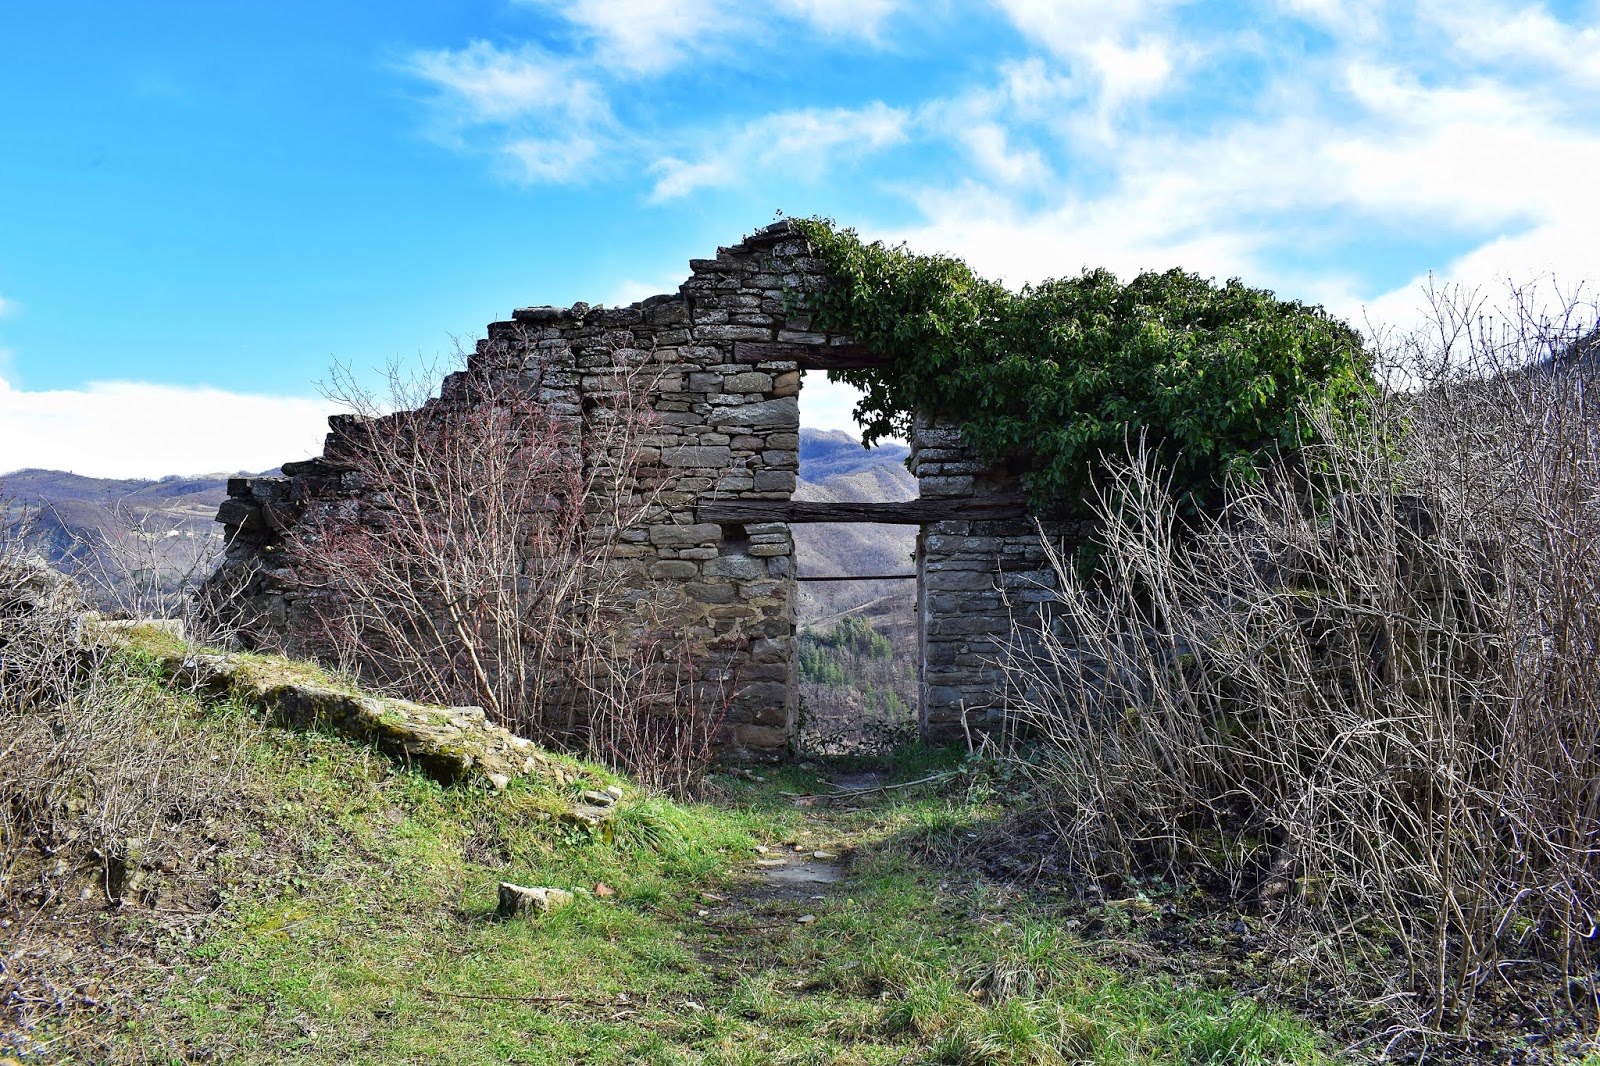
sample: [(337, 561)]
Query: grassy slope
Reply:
[(358, 925)]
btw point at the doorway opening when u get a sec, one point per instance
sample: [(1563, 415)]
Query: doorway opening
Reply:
[(855, 601)]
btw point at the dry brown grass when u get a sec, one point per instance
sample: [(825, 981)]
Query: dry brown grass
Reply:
[(1364, 701)]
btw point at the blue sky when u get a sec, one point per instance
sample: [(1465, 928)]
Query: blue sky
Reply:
[(202, 205)]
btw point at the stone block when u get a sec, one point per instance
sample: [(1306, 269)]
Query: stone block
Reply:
[(697, 456), (775, 414), (736, 567), (711, 592), (961, 485), (770, 650), (770, 738), (750, 381), (685, 536), (732, 333), (774, 481), (959, 581)]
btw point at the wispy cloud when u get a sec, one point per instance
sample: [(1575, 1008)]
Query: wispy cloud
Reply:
[(804, 142), (860, 18), (1137, 135), (549, 116), (647, 37), (7, 307), (137, 429), (1123, 49), (546, 118), (1358, 143)]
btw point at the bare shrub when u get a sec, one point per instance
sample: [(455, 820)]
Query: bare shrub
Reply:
[(489, 560), (1365, 698), (139, 563), (656, 717), (100, 776)]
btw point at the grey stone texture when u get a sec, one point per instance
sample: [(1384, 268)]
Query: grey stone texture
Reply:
[(980, 585)]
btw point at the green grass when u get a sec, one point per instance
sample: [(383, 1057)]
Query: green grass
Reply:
[(358, 926)]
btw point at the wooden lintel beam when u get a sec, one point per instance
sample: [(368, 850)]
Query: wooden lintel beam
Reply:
[(807, 356), (855, 577), (909, 513)]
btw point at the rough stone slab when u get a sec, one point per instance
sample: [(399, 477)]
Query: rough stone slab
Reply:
[(778, 414), (517, 899), (449, 744), (681, 536), (700, 456)]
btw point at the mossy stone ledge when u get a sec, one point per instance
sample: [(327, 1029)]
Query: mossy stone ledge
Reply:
[(452, 745)]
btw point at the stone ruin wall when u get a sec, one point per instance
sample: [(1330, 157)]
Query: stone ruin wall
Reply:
[(981, 584), (729, 422), (727, 402)]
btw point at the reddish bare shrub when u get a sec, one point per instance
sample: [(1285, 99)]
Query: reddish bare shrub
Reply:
[(488, 558)]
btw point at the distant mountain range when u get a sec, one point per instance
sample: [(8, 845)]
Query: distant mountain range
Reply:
[(835, 468), (134, 544)]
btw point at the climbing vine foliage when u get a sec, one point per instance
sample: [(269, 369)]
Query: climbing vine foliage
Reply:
[(1054, 376)]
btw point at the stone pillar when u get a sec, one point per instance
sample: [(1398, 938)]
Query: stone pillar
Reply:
[(979, 585)]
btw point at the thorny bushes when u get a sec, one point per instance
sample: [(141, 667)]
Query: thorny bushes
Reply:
[(1364, 701)]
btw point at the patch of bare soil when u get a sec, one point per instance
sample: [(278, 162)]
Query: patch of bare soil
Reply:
[(89, 941)]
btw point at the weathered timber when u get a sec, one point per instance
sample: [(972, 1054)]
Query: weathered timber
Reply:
[(808, 356), (856, 577), (908, 513)]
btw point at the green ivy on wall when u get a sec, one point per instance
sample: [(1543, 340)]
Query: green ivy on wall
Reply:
[(1059, 373)]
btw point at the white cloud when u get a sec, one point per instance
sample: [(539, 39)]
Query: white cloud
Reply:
[(1372, 142), (136, 429), (1353, 19), (7, 306), (1119, 45), (827, 404), (862, 18), (989, 145), (551, 121), (1495, 32), (551, 159), (803, 142), (649, 36), (488, 84), (633, 290), (1130, 72)]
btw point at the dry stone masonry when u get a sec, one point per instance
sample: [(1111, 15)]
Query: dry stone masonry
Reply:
[(730, 346), (980, 582)]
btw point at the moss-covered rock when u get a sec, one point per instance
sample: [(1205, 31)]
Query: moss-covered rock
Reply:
[(449, 744)]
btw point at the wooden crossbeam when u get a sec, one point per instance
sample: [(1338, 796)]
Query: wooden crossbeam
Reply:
[(908, 513), (855, 577)]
